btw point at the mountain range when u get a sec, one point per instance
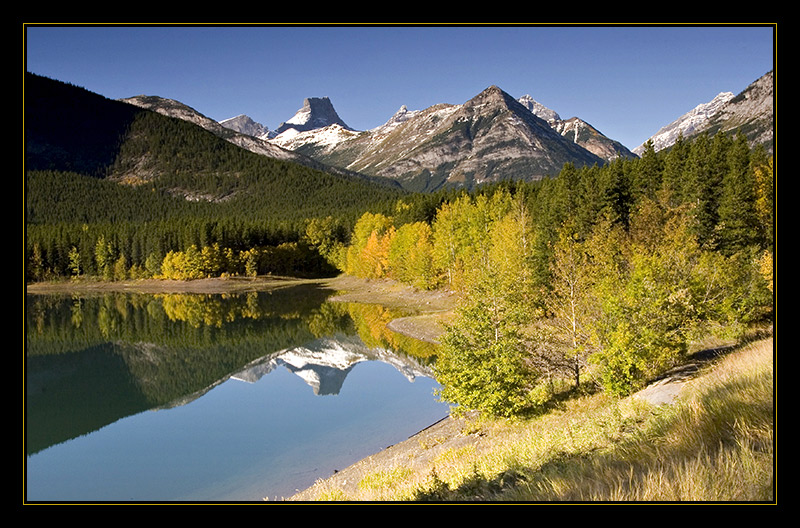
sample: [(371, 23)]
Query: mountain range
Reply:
[(489, 138), (240, 130), (493, 137), (146, 159)]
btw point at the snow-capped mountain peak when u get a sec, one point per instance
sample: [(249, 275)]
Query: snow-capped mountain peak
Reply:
[(317, 112), (687, 124)]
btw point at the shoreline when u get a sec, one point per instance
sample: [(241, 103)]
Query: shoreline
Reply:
[(418, 453), (427, 311), (423, 451), (217, 285)]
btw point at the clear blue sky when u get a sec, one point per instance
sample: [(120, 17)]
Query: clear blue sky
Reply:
[(627, 81)]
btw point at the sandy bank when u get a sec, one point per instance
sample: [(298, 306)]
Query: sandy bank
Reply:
[(420, 453), (216, 285), (427, 310)]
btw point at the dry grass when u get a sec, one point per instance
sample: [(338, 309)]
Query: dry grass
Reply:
[(714, 444)]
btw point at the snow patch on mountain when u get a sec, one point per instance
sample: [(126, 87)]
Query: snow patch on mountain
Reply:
[(399, 117), (325, 363), (328, 136), (538, 109), (687, 124)]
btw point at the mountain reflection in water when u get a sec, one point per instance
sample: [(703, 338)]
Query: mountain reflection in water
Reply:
[(324, 363), (93, 360)]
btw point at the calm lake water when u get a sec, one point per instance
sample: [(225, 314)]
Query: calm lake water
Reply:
[(187, 397)]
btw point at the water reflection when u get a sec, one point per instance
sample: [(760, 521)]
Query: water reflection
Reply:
[(324, 363), (91, 361)]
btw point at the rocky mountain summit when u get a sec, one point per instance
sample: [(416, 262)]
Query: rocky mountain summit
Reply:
[(241, 131), (539, 109), (581, 132), (587, 136), (489, 138), (687, 124), (752, 112), (176, 109), (317, 112)]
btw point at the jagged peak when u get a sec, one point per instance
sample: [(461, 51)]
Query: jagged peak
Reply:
[(317, 112), (240, 117)]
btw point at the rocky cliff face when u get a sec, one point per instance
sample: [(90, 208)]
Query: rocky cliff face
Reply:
[(688, 124), (585, 135), (752, 112)]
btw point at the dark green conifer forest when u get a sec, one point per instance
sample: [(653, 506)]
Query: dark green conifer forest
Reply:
[(111, 190)]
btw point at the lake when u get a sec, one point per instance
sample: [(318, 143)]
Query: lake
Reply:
[(194, 397)]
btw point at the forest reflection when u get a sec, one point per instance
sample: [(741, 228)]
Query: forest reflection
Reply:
[(94, 359)]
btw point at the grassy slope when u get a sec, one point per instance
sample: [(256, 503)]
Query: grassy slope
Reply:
[(714, 444)]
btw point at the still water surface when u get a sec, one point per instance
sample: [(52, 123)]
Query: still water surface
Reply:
[(181, 397)]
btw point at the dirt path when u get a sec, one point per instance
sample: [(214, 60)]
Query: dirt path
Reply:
[(666, 388)]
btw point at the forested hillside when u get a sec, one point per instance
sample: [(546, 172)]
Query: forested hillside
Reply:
[(110, 183)]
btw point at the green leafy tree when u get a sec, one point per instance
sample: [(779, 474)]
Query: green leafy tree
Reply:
[(480, 367), (653, 303), (484, 361), (103, 255), (328, 236), (447, 241), (573, 308), (75, 261)]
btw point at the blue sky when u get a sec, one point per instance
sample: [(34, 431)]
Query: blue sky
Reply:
[(628, 81)]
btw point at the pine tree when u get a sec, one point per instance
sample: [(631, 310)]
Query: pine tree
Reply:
[(739, 226)]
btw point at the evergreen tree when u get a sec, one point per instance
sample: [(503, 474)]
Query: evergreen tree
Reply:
[(674, 184), (739, 227)]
